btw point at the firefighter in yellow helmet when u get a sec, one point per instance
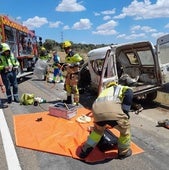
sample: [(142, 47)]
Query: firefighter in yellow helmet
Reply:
[(111, 108), (43, 55), (8, 68), (72, 66)]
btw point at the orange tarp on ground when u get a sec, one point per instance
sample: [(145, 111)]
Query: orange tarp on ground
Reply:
[(42, 132)]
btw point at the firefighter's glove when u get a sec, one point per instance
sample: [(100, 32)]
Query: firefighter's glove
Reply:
[(65, 66)]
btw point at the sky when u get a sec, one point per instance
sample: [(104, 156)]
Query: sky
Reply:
[(92, 21)]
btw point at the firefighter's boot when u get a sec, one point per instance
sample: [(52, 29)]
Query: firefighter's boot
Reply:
[(128, 153), (68, 100)]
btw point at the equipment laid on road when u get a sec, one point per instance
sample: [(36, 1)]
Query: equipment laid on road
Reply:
[(59, 136), (30, 99), (27, 99), (83, 119), (164, 123), (38, 100), (63, 110)]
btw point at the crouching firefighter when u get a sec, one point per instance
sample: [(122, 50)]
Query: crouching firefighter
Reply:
[(72, 67), (111, 108)]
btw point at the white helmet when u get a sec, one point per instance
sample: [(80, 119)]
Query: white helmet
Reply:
[(4, 47)]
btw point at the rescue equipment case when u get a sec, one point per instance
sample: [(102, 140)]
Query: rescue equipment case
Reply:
[(63, 110)]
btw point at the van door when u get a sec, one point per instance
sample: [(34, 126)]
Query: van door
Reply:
[(109, 70), (163, 57)]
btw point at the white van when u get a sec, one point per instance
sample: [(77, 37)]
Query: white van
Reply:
[(140, 65)]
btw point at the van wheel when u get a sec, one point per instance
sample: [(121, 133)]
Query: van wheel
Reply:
[(151, 96)]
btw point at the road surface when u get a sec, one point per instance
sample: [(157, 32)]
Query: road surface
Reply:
[(145, 133)]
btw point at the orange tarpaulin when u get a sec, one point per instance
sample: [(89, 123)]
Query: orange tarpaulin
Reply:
[(43, 132)]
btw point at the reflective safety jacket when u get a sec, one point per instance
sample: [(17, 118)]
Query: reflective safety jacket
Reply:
[(116, 92), (45, 57), (8, 61), (108, 104), (73, 61)]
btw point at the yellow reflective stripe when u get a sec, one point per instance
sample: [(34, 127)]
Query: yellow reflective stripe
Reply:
[(93, 139), (110, 94), (123, 90), (124, 141), (107, 92)]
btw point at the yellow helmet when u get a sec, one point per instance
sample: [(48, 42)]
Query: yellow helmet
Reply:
[(4, 47), (112, 83), (66, 44), (43, 49)]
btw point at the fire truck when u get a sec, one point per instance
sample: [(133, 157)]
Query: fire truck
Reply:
[(23, 44)]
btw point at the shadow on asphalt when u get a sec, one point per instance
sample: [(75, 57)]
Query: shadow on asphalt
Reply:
[(23, 79)]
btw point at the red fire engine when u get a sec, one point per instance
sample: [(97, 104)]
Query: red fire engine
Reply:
[(22, 41)]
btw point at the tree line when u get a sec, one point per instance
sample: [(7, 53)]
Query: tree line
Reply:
[(84, 48)]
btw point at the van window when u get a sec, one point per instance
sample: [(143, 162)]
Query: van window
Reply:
[(164, 51), (146, 57), (97, 65), (132, 58)]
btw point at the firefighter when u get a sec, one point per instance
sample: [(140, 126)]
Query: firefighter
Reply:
[(56, 66), (72, 65), (42, 66), (8, 67), (43, 55), (111, 108)]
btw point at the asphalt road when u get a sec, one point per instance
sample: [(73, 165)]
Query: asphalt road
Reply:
[(145, 133)]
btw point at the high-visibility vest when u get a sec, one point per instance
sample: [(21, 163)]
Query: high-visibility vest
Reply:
[(45, 57), (113, 93), (10, 61), (108, 104)]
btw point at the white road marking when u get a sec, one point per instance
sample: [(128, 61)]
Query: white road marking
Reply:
[(10, 153)]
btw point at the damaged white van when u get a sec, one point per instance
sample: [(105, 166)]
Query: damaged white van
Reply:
[(140, 65)]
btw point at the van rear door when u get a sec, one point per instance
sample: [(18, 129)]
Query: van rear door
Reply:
[(163, 57), (109, 70)]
